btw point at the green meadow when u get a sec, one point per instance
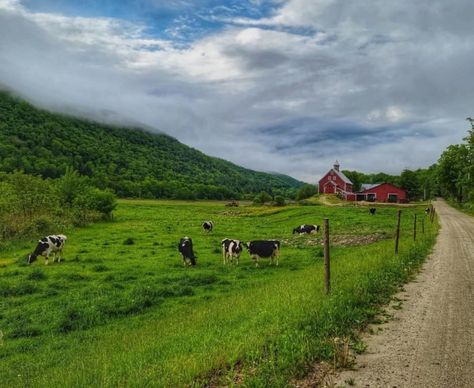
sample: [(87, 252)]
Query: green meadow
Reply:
[(121, 310)]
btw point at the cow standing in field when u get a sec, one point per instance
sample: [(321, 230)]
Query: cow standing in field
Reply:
[(259, 249), (185, 247), (50, 244), (372, 210), (207, 226), (427, 211), (308, 229), (231, 249)]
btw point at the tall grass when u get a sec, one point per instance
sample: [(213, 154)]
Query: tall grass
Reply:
[(145, 320)]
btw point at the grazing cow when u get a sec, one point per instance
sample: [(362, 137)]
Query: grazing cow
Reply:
[(308, 229), (372, 210), (264, 249), (231, 249), (427, 211), (50, 244), (185, 247), (207, 226)]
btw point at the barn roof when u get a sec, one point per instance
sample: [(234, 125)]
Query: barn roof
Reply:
[(368, 186), (342, 176)]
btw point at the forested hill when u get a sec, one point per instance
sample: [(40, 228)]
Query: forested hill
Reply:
[(131, 162)]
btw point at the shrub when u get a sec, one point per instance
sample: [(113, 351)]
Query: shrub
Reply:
[(279, 201), (306, 191), (262, 197), (43, 224)]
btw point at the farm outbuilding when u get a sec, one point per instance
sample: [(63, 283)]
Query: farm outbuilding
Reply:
[(335, 182), (382, 192)]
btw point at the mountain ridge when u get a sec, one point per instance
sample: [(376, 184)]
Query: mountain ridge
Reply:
[(132, 162)]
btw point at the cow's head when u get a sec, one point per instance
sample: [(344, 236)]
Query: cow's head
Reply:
[(32, 258)]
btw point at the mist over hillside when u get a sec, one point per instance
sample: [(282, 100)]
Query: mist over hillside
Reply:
[(130, 161)]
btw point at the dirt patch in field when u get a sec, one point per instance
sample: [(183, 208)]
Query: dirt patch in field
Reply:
[(341, 240), (320, 376)]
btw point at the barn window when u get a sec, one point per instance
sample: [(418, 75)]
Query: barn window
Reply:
[(392, 197)]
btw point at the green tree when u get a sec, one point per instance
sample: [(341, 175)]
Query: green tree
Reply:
[(306, 191), (262, 197), (409, 182)]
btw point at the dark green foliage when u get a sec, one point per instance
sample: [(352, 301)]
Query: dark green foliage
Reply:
[(262, 197), (409, 181), (305, 192), (32, 206), (130, 162), (279, 200)]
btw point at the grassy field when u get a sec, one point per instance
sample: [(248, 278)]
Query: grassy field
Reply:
[(122, 310)]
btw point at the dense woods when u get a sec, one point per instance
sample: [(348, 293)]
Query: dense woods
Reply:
[(130, 162)]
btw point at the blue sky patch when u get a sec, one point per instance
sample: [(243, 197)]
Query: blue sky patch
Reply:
[(182, 21)]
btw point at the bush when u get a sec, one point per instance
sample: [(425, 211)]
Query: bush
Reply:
[(306, 191), (43, 224), (279, 201), (262, 197), (96, 200)]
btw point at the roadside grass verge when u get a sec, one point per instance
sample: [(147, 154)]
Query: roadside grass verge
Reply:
[(116, 315)]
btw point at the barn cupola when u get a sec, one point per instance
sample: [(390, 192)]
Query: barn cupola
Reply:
[(336, 166)]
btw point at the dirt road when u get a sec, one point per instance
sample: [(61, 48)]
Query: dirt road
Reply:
[(430, 341)]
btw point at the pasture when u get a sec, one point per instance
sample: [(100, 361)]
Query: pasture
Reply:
[(122, 310)]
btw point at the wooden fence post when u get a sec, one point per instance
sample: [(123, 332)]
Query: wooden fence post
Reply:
[(423, 225), (414, 229), (327, 262), (397, 235), (432, 213)]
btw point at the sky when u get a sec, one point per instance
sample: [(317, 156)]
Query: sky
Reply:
[(284, 86)]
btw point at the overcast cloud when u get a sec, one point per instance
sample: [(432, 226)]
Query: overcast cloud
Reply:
[(285, 86)]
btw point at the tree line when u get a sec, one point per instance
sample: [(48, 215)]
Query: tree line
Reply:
[(452, 177)]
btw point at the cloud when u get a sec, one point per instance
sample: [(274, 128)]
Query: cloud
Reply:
[(378, 85)]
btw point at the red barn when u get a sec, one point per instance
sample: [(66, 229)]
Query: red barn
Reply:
[(381, 192), (335, 182)]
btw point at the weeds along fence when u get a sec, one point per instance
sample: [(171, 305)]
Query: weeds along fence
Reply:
[(416, 221)]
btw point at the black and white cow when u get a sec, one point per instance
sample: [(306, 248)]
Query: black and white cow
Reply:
[(185, 247), (308, 229), (207, 226), (259, 249), (372, 210), (231, 249), (50, 244), (427, 211)]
